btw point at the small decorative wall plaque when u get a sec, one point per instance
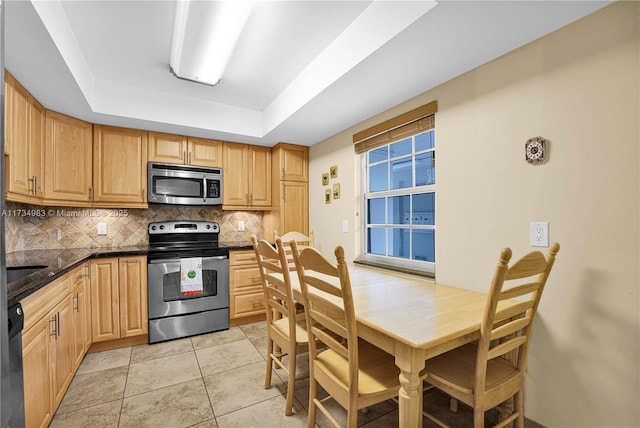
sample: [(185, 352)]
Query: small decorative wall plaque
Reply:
[(325, 179), (534, 150), (333, 171), (327, 196), (336, 191)]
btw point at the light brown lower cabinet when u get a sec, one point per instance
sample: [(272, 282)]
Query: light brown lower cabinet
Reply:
[(246, 297), (118, 297), (48, 350)]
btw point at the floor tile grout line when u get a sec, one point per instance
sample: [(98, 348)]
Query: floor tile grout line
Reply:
[(126, 381)]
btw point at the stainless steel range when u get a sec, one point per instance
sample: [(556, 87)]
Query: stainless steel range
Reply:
[(188, 275)]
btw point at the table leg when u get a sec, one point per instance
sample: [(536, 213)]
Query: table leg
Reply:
[(411, 362)]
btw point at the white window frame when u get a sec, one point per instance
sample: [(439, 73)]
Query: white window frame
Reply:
[(393, 261)]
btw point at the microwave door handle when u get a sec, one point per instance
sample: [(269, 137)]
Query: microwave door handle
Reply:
[(204, 189)]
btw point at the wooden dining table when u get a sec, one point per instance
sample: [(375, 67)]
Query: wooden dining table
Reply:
[(414, 319)]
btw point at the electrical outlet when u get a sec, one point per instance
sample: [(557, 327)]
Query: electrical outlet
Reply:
[(539, 234), (102, 228), (241, 226)]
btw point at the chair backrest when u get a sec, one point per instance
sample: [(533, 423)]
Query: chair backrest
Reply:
[(276, 283), (301, 240), (506, 329), (328, 301)]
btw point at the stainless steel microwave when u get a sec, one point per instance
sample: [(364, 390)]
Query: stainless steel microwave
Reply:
[(183, 184)]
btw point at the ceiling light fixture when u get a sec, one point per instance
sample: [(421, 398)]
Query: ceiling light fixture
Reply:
[(204, 36)]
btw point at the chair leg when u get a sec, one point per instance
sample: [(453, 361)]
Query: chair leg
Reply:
[(291, 382), (352, 412), (519, 407), (453, 405), (267, 377), (478, 418), (313, 390)]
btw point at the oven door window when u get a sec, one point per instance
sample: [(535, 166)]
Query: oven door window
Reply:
[(171, 286), (178, 187)]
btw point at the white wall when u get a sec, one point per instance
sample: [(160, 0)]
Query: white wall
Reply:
[(578, 87)]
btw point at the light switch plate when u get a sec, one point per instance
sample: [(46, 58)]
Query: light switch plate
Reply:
[(241, 226), (102, 228), (539, 234), (345, 226)]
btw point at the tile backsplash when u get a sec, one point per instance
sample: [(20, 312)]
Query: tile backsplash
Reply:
[(32, 227)]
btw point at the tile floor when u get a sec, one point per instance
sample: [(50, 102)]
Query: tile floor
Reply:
[(212, 380)]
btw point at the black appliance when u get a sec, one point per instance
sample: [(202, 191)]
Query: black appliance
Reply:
[(175, 310)]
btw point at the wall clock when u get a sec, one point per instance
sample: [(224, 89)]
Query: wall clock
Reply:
[(534, 150)]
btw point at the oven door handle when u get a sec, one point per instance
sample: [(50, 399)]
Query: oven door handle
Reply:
[(177, 260)]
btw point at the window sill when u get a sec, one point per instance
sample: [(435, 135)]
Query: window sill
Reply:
[(396, 268)]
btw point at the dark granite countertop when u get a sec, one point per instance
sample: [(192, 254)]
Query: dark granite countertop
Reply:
[(60, 261), (56, 263), (239, 245)]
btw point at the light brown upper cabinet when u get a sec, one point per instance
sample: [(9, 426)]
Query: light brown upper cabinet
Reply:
[(247, 176), (119, 167), (290, 191), (24, 139), (68, 147), (169, 148)]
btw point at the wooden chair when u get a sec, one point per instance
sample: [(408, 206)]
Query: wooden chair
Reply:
[(355, 373), (491, 372), (286, 329), (301, 240)]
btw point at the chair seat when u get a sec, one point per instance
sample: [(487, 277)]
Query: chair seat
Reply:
[(282, 327), (377, 371), (456, 369)]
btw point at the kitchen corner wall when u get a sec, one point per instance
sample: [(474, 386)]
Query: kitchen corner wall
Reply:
[(32, 227)]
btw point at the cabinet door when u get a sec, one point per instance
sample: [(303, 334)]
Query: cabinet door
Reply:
[(105, 314), (68, 150), (62, 348), (81, 313), (133, 296), (36, 149), (260, 176), (236, 186), (167, 148), (294, 207), (120, 165), (293, 162), (203, 152), (17, 134), (36, 365)]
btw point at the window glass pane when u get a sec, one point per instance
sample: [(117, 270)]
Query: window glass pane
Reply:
[(424, 245), (378, 155), (378, 178), (402, 173), (375, 240), (425, 169), (401, 148), (398, 244), (375, 211), (424, 141), (423, 209), (399, 210)]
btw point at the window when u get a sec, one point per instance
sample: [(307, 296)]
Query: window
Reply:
[(399, 202)]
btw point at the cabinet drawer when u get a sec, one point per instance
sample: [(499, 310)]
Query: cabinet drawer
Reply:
[(242, 305), (38, 304), (244, 257), (245, 279)]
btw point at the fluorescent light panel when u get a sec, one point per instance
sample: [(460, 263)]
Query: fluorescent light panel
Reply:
[(204, 36)]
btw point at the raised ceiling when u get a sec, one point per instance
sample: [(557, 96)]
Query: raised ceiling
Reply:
[(301, 71)]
